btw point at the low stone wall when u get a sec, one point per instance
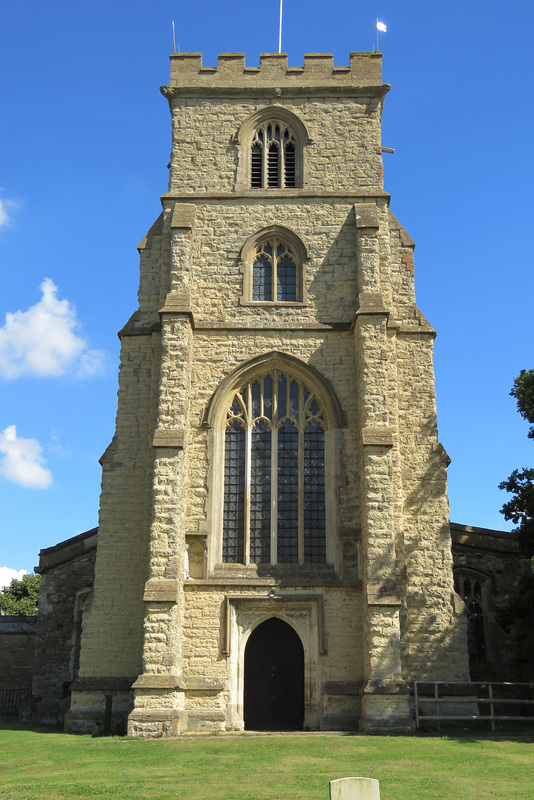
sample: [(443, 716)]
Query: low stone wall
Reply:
[(67, 574), (17, 646), (494, 560)]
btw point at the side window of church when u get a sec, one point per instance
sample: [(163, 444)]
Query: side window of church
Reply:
[(274, 474), (274, 272), (470, 590), (273, 157)]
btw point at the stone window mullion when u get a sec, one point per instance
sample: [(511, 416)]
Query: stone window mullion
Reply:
[(275, 270), (300, 423), (248, 448), (281, 159), (274, 496), (265, 154)]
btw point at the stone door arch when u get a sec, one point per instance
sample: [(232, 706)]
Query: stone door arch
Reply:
[(274, 678)]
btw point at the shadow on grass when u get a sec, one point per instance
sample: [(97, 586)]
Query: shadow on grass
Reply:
[(467, 734), (15, 725), (481, 732)]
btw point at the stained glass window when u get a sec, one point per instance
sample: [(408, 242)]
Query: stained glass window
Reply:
[(275, 435)]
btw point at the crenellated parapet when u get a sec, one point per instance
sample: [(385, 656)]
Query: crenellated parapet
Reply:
[(231, 72)]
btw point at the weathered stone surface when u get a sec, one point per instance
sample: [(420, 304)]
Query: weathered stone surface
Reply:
[(183, 215), (172, 437), (17, 649), (381, 612), (67, 575)]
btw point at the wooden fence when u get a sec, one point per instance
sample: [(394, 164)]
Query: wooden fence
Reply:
[(487, 701)]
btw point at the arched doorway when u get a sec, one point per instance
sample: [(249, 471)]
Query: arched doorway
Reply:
[(274, 678)]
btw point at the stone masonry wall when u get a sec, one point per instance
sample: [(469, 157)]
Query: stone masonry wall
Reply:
[(346, 132), (495, 560), (67, 575), (17, 647), (382, 612), (112, 642)]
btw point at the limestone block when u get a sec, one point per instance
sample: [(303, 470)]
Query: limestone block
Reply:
[(183, 215)]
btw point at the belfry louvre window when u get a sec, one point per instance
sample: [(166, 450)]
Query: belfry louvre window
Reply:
[(273, 157), (274, 474), (274, 272)]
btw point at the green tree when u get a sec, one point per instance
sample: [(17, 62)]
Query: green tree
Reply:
[(520, 484), (518, 616), (21, 598)]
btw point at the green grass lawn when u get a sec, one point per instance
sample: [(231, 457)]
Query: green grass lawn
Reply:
[(38, 764)]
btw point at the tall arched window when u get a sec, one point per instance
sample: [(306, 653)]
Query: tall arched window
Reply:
[(273, 156), (274, 473)]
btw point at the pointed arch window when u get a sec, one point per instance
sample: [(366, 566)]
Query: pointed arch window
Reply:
[(273, 156), (471, 589), (274, 473), (274, 264), (274, 272)]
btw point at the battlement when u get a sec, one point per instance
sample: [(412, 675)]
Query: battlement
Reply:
[(231, 72)]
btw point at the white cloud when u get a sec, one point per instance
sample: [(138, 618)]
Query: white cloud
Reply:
[(43, 340), (22, 462), (7, 574), (6, 209)]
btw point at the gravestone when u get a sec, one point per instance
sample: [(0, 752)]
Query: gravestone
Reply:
[(354, 789)]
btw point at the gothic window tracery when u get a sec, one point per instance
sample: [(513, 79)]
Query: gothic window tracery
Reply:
[(273, 156), (274, 272), (274, 473)]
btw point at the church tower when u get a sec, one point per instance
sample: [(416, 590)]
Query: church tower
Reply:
[(274, 548)]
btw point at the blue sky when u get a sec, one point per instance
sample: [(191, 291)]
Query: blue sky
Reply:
[(84, 143)]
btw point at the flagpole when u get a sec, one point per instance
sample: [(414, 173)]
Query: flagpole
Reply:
[(377, 34), (280, 33), (173, 38)]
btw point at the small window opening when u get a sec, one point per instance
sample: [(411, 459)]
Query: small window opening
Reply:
[(274, 273)]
